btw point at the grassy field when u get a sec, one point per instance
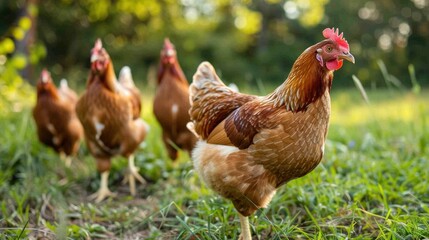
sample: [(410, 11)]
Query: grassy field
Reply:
[(372, 184)]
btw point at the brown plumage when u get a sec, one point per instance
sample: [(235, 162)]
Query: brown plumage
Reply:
[(55, 117), (171, 103), (110, 114), (250, 145)]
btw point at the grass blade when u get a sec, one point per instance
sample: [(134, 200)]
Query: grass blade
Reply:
[(360, 88), (386, 75), (23, 229), (414, 82)]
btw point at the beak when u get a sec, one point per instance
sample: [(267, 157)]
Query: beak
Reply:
[(347, 56)]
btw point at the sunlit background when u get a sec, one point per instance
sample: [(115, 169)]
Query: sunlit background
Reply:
[(250, 42)]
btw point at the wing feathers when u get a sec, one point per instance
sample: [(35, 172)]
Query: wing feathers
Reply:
[(219, 136), (245, 122)]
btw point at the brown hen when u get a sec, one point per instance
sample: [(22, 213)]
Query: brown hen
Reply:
[(110, 115), (249, 146), (55, 117), (171, 103)]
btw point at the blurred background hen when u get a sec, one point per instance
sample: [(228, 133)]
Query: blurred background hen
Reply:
[(55, 117), (171, 103), (110, 114)]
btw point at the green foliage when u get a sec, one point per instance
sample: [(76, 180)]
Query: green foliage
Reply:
[(249, 41), (415, 83), (13, 60)]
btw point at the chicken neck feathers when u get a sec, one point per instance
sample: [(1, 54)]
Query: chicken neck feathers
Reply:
[(174, 70)]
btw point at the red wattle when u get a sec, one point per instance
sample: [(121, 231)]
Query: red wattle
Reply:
[(334, 64)]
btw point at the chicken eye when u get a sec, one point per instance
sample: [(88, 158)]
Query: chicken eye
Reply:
[(328, 49)]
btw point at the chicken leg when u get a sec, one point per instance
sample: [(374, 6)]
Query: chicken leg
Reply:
[(245, 228), (103, 191), (133, 174), (66, 159)]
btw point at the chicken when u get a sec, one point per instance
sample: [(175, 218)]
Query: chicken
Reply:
[(249, 146), (171, 103), (55, 117), (110, 115)]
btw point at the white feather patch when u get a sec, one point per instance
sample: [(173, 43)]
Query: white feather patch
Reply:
[(233, 87), (125, 74), (98, 128), (64, 84), (191, 128), (202, 148), (53, 131), (174, 109), (226, 150)]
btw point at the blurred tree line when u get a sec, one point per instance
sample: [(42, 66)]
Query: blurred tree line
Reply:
[(251, 42)]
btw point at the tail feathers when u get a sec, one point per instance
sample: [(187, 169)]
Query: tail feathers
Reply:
[(211, 100), (206, 74), (67, 92), (64, 84), (206, 77), (126, 78), (206, 80), (128, 88)]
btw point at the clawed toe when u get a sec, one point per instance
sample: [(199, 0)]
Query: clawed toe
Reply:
[(104, 190), (101, 194)]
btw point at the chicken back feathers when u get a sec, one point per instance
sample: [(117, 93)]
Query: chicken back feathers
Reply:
[(55, 117), (251, 145), (171, 102)]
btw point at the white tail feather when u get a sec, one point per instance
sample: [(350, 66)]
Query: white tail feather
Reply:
[(64, 84), (191, 128), (125, 77)]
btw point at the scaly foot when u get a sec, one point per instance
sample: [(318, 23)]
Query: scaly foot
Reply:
[(101, 194), (245, 228), (103, 191), (133, 174)]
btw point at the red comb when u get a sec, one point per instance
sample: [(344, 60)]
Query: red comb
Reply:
[(98, 44), (45, 75), (332, 34), (168, 44)]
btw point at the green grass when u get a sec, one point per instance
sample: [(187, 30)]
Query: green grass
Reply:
[(372, 184)]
